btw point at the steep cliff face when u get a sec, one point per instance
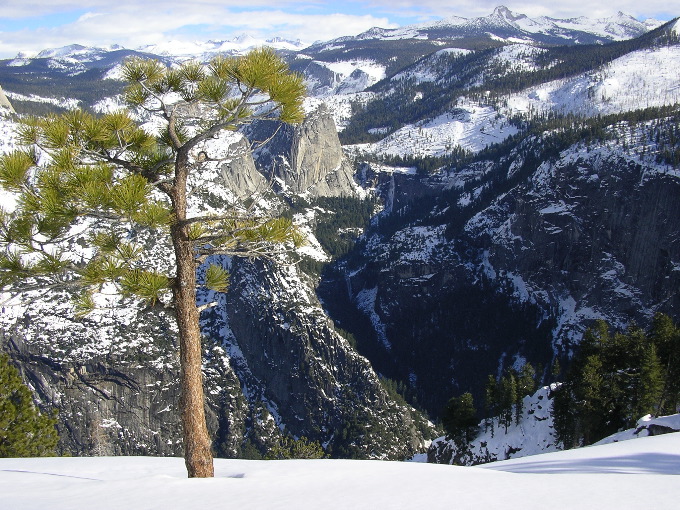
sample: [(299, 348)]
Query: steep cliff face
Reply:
[(510, 259), (289, 357), (234, 163), (305, 159), (270, 355), (597, 230)]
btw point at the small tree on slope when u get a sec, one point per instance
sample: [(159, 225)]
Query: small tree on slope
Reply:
[(120, 182), (24, 432)]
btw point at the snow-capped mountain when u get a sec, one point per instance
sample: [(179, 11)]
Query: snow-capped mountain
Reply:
[(171, 48), (204, 50), (505, 25)]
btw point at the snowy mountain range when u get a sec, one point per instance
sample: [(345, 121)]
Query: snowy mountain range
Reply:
[(501, 25), (196, 49), (505, 25), (527, 180)]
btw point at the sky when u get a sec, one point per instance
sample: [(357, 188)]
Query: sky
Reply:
[(33, 25)]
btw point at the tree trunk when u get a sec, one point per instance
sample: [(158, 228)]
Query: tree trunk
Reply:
[(197, 444)]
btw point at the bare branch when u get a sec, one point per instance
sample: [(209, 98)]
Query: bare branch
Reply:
[(206, 306), (257, 143)]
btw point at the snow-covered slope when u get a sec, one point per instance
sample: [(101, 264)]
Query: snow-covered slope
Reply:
[(469, 126), (351, 76), (646, 426), (637, 80), (631, 475), (531, 435)]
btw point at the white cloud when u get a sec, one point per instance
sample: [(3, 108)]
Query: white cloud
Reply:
[(23, 9), (89, 15), (132, 23)]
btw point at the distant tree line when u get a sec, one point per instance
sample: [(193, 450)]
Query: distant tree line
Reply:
[(424, 165)]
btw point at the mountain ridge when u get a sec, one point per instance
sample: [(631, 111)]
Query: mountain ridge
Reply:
[(503, 24)]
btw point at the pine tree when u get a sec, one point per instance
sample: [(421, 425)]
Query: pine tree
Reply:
[(491, 400), (24, 431), (556, 370), (526, 385), (589, 399), (508, 398), (666, 338), (460, 419), (651, 383), (120, 181)]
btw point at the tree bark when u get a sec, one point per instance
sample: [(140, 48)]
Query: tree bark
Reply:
[(197, 444)]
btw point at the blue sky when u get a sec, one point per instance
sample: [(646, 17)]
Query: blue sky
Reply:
[(32, 25)]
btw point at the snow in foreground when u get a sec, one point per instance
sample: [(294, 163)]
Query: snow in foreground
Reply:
[(630, 474)]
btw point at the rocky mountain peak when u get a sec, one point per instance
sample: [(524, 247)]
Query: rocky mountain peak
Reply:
[(506, 14), (307, 158)]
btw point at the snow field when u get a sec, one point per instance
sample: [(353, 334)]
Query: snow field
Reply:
[(470, 126), (628, 475)]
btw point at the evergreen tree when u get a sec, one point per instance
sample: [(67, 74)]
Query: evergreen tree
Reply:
[(590, 406), (666, 338), (24, 431), (491, 400), (508, 398), (615, 379), (556, 370), (651, 383), (526, 385), (120, 181), (460, 419)]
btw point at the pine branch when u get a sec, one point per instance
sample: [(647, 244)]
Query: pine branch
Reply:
[(216, 218)]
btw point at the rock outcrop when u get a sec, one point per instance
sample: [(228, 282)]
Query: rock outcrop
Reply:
[(5, 105), (305, 159)]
